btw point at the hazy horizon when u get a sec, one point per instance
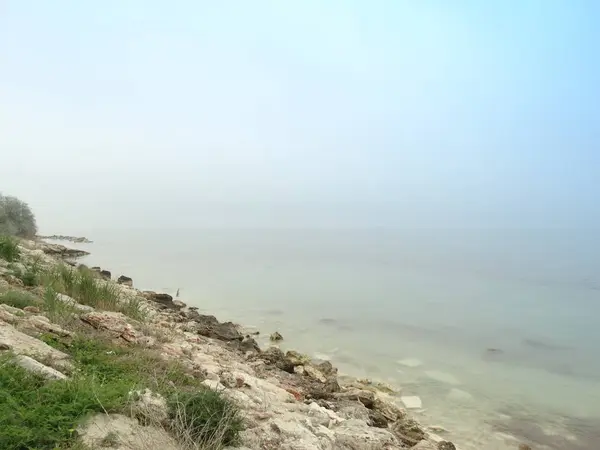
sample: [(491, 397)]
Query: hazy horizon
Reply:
[(416, 114)]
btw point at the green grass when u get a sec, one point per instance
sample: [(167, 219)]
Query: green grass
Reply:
[(9, 249), (43, 415), (37, 414), (19, 299), (84, 285)]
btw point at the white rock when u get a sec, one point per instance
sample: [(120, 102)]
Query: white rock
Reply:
[(32, 365), (444, 377), (412, 401), (459, 395), (410, 362)]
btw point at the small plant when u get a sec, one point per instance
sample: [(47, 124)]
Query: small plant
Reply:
[(205, 418), (9, 249), (19, 299)]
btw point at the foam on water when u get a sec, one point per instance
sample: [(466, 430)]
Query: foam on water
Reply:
[(498, 349)]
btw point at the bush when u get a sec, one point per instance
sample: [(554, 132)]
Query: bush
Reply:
[(9, 248), (205, 418), (16, 218)]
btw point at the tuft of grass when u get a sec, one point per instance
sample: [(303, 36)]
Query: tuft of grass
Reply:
[(9, 249), (57, 311), (19, 299), (205, 419)]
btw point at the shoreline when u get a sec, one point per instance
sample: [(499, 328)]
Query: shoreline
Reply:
[(288, 399)]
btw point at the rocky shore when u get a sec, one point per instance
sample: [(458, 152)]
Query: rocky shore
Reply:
[(288, 400)]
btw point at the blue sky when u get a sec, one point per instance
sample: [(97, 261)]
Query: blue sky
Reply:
[(405, 111)]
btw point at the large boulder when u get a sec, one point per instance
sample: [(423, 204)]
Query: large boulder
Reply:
[(209, 326), (113, 322)]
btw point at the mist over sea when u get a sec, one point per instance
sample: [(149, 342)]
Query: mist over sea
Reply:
[(496, 330)]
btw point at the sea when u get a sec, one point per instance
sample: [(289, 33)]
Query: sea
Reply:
[(496, 331)]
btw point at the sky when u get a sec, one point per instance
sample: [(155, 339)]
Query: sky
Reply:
[(387, 112)]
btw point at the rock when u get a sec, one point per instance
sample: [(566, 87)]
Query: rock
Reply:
[(276, 337), (112, 322), (388, 409), (274, 356), (32, 365), (446, 445), (127, 281), (71, 302), (125, 433), (425, 445), (61, 251), (326, 368), (367, 398), (408, 431), (411, 401), (522, 447), (105, 274), (376, 419), (32, 309), (314, 373), (209, 326), (297, 359), (4, 347), (148, 406), (42, 323), (357, 435)]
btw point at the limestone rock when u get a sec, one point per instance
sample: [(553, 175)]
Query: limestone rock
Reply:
[(446, 445), (412, 401), (125, 434), (366, 398), (357, 435), (112, 322), (150, 407), (32, 365), (72, 303)]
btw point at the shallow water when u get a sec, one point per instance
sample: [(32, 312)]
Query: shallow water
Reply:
[(495, 331)]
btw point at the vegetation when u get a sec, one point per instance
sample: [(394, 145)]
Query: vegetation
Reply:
[(16, 218), (35, 413), (19, 299), (9, 248)]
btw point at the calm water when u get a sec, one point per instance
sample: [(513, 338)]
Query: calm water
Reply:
[(420, 310)]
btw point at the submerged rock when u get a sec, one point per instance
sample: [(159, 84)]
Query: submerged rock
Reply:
[(276, 337)]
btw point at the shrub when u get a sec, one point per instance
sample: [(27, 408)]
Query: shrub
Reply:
[(205, 418), (9, 248), (16, 218)]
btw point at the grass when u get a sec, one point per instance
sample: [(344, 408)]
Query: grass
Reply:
[(9, 249), (205, 418), (38, 414), (19, 299), (84, 285)]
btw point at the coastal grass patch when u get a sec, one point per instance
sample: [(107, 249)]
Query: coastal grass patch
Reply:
[(84, 286), (19, 299), (41, 414), (9, 248)]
